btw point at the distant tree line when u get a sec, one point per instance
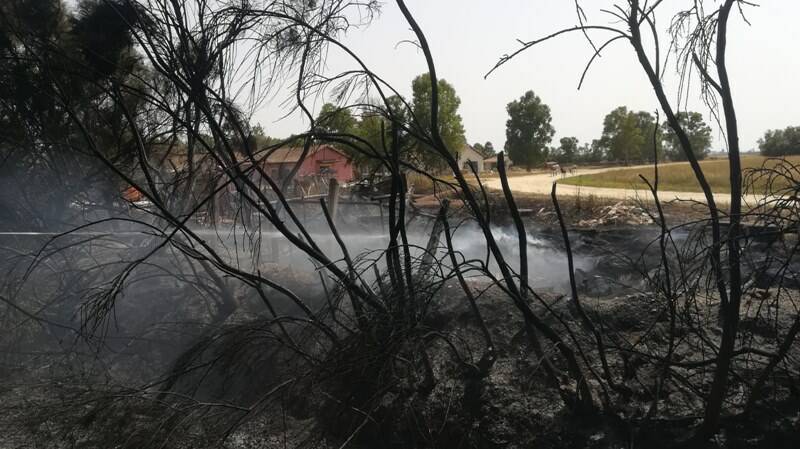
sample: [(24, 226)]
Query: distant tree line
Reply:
[(373, 124), (634, 137), (780, 142), (628, 136), (37, 131)]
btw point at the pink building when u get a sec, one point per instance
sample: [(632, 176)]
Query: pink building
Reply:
[(322, 160)]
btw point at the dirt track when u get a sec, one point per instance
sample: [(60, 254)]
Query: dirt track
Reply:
[(541, 183)]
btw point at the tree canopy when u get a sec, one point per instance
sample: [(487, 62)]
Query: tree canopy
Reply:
[(335, 120), (485, 149), (780, 142), (54, 56), (528, 130), (699, 134), (450, 125), (651, 136), (488, 149), (622, 136), (567, 150), (375, 128)]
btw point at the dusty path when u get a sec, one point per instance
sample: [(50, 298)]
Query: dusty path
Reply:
[(541, 183)]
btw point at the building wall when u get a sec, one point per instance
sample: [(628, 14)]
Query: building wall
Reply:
[(470, 155), (338, 166), (491, 164)]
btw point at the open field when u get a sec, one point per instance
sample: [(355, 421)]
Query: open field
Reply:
[(676, 176), (542, 184)]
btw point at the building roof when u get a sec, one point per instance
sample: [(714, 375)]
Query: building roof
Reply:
[(292, 154), (494, 159), (467, 152)]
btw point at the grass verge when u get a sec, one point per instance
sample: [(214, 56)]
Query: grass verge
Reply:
[(677, 177)]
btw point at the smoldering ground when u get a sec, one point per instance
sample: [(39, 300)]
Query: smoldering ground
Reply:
[(162, 300), (184, 333)]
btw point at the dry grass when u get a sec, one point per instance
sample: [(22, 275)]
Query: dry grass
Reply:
[(424, 184), (676, 177), (420, 183), (512, 172)]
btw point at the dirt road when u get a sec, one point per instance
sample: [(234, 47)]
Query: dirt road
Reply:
[(541, 183)]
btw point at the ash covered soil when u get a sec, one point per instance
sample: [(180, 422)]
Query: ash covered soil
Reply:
[(514, 407), (276, 399)]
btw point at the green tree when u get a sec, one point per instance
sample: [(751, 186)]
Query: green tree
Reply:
[(622, 135), (258, 138), (450, 126), (101, 34), (699, 134), (375, 127), (335, 120), (528, 130), (55, 56), (568, 149), (646, 124), (595, 152), (780, 142)]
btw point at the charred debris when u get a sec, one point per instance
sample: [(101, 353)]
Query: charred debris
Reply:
[(173, 279)]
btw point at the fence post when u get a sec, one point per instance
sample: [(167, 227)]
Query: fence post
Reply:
[(333, 198)]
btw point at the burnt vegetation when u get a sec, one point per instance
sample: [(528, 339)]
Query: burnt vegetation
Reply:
[(218, 304)]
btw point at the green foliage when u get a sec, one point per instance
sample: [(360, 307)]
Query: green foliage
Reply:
[(369, 133), (375, 128), (528, 130), (258, 130), (335, 120), (101, 34), (258, 138), (622, 135), (57, 66), (450, 126), (699, 134), (630, 136), (651, 137), (633, 136), (594, 152), (780, 142), (567, 150)]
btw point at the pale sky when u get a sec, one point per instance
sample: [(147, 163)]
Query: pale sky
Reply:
[(468, 36)]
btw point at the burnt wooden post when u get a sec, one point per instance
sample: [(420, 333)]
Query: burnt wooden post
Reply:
[(380, 209), (275, 248), (333, 207), (333, 198), (433, 242), (303, 202)]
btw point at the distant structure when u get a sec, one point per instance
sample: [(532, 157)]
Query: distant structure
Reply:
[(490, 163), (467, 157), (553, 167), (321, 161)]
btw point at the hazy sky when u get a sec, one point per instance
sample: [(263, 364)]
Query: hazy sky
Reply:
[(468, 36)]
